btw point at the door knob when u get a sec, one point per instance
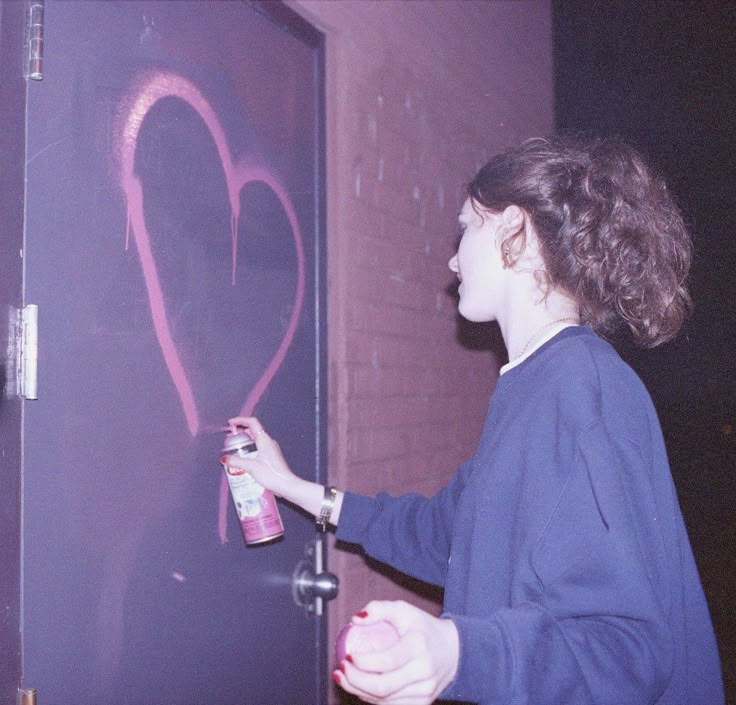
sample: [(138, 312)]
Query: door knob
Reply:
[(311, 586)]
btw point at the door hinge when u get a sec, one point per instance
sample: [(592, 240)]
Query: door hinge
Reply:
[(26, 696), (34, 41), (21, 374)]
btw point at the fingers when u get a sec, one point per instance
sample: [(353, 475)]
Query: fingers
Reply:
[(403, 685), (253, 427), (236, 461), (401, 614), (249, 423), (371, 687), (268, 466), (412, 670), (400, 619), (390, 659)]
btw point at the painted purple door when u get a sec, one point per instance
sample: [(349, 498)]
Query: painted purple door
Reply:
[(172, 247)]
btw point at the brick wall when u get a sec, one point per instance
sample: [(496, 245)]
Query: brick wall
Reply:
[(419, 95)]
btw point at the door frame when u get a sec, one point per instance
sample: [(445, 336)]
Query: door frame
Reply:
[(12, 204)]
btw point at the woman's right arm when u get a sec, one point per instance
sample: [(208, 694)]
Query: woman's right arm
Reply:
[(411, 533), (270, 469)]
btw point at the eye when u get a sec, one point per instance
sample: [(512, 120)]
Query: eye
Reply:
[(461, 230)]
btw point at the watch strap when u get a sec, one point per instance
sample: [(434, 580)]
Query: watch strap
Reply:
[(325, 511)]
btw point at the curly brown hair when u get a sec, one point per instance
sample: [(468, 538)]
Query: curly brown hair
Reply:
[(610, 233)]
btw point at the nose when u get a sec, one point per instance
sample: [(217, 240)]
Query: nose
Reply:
[(452, 264)]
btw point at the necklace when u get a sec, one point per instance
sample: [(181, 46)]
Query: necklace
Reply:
[(539, 331)]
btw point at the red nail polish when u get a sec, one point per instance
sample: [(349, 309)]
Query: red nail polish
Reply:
[(341, 666), (362, 614), (336, 677), (349, 658)]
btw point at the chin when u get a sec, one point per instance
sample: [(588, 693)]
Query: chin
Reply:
[(474, 315)]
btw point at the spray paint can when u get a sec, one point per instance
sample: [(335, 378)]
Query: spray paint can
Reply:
[(256, 506)]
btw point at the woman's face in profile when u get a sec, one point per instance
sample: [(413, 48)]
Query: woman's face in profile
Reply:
[(478, 263)]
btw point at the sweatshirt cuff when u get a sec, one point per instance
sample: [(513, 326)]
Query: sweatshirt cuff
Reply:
[(355, 515), (485, 663)]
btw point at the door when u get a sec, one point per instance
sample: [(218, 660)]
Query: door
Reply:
[(172, 246)]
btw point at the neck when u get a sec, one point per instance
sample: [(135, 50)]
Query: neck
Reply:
[(522, 330), (539, 335)]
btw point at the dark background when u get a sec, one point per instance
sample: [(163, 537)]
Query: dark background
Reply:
[(663, 75)]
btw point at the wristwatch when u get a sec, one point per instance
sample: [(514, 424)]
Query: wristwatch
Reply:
[(325, 511)]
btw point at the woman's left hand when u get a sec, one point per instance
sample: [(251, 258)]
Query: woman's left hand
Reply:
[(415, 670)]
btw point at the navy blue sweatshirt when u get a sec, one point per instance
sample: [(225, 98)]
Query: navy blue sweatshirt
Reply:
[(560, 544)]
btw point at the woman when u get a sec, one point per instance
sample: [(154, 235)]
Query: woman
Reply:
[(567, 572)]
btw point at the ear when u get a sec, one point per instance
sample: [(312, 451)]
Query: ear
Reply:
[(516, 227), (531, 256), (521, 246), (513, 217), (513, 235)]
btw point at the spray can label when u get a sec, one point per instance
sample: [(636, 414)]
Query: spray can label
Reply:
[(256, 506)]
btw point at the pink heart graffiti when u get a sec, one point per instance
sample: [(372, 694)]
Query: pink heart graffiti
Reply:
[(152, 87)]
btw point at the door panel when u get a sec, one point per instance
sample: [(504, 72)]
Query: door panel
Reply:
[(172, 211)]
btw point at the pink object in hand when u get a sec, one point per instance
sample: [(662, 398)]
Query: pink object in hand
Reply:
[(376, 636)]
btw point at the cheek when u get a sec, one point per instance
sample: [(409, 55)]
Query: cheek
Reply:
[(467, 255), (478, 288), (473, 263)]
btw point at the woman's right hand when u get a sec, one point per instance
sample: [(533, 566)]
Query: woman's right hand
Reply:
[(268, 467)]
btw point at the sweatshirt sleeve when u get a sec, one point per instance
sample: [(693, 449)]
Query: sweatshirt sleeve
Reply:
[(591, 625), (411, 533)]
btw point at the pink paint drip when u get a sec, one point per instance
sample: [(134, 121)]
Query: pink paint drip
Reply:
[(152, 88)]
